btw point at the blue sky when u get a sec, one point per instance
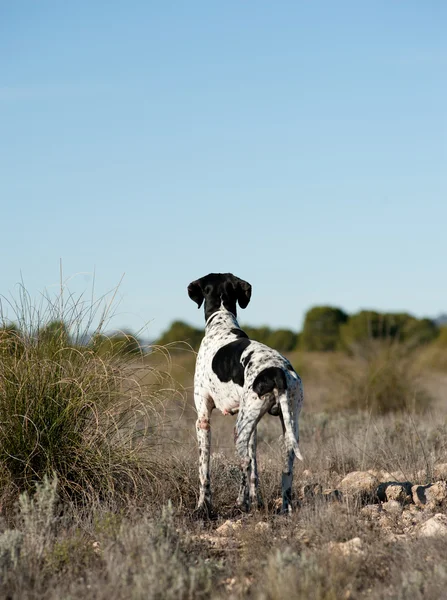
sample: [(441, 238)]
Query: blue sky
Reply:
[(300, 145)]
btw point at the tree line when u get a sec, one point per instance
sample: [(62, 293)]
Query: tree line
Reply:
[(325, 329)]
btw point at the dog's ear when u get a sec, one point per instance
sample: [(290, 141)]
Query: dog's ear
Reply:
[(195, 292), (243, 292)]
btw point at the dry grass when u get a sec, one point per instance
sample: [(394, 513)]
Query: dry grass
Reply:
[(55, 550), (385, 379), (103, 452)]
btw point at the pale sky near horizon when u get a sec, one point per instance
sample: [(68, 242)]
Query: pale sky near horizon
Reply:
[(299, 145)]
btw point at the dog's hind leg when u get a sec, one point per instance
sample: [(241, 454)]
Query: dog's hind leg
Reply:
[(203, 428), (289, 457), (245, 439), (254, 495)]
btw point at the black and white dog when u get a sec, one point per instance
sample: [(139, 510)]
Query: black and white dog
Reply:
[(238, 375)]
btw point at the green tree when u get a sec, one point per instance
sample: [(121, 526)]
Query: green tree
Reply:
[(401, 327), (364, 325), (419, 331), (125, 342), (321, 329), (122, 343), (260, 334), (442, 337), (179, 331), (283, 340)]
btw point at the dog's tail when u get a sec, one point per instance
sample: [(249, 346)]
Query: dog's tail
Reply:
[(291, 442)]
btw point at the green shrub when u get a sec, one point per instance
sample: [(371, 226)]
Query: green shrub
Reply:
[(117, 344), (283, 340), (371, 325), (66, 410), (418, 332), (180, 332), (384, 379), (434, 355), (441, 341), (321, 329), (260, 334)]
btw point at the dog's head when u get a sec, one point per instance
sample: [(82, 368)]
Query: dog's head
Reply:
[(220, 289)]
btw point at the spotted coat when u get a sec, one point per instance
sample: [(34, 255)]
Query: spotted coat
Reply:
[(238, 375)]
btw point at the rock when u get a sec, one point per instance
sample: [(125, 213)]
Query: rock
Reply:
[(387, 522), (440, 471), (391, 490), (96, 547), (431, 495), (414, 510), (395, 476), (237, 586), (436, 494), (411, 517), (360, 483), (377, 473), (352, 547), (228, 527), (218, 542), (392, 538), (400, 492), (371, 510), (436, 526), (392, 507)]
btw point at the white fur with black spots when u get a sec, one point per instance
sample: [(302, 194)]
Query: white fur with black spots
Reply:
[(240, 376)]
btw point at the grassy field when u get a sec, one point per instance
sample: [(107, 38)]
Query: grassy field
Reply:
[(99, 481)]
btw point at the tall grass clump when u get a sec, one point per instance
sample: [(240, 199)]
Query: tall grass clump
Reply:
[(68, 411), (383, 378)]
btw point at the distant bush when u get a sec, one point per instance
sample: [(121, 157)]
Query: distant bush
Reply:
[(434, 355), (419, 331), (385, 379), (371, 325), (283, 340), (123, 343), (441, 340), (260, 334), (322, 328), (325, 329), (180, 331)]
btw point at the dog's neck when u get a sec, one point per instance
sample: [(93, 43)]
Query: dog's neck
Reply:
[(221, 319)]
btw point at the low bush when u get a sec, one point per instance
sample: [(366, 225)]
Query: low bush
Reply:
[(383, 378), (64, 409), (48, 556), (321, 330)]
